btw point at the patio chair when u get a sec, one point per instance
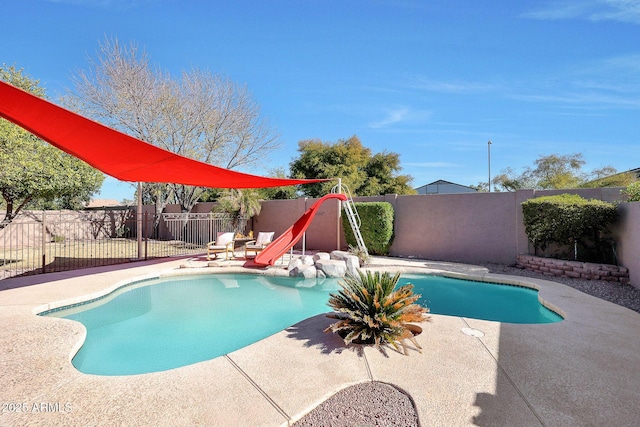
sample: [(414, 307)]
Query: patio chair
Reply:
[(224, 243), (259, 244)]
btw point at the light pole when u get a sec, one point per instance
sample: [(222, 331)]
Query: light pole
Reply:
[(489, 158)]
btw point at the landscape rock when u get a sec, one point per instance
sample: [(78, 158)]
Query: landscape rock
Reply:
[(332, 267), (306, 271), (307, 259), (295, 262), (352, 262), (321, 256), (341, 255)]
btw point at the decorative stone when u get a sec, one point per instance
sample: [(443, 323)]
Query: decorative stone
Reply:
[(332, 268), (307, 260), (352, 262), (320, 274), (341, 255), (306, 271), (295, 262), (574, 269), (321, 256)]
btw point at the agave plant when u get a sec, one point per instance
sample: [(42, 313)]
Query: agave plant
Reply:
[(371, 311)]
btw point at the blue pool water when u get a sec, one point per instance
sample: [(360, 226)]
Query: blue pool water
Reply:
[(167, 323), (479, 300)]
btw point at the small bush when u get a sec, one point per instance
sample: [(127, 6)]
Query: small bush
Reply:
[(632, 192), (363, 256), (370, 310), (376, 227), (569, 219)]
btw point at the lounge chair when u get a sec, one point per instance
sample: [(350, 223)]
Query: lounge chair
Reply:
[(224, 243), (259, 244)]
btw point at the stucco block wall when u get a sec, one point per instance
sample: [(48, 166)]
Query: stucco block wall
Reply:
[(279, 215), (476, 227), (627, 238), (460, 227)]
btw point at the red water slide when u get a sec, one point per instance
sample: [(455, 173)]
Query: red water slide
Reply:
[(286, 240)]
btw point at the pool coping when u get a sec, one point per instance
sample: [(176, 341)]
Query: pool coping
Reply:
[(53, 306), (575, 372)]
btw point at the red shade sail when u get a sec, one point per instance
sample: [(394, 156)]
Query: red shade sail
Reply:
[(117, 154)]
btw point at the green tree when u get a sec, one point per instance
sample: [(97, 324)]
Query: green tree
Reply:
[(609, 177), (557, 171), (241, 204), (363, 173), (632, 192), (481, 187), (35, 171), (278, 193), (509, 180), (381, 177)]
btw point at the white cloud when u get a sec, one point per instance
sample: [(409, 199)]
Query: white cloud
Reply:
[(627, 65), (401, 115), (605, 83), (392, 117), (424, 83), (593, 10)]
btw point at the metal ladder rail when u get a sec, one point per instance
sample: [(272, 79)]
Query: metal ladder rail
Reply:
[(352, 216)]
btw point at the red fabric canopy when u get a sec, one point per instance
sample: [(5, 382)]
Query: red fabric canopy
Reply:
[(116, 154)]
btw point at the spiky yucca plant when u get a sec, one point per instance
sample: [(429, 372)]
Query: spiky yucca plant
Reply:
[(370, 310)]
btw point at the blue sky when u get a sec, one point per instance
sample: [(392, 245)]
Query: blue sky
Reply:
[(431, 80)]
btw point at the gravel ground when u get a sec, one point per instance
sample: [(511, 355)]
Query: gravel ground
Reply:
[(622, 294), (366, 404), (379, 404)]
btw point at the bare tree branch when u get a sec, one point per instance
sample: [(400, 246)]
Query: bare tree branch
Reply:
[(202, 115)]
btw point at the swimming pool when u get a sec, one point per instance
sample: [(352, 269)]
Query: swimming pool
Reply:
[(161, 324), (479, 300)]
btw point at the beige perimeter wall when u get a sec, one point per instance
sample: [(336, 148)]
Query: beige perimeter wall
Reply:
[(472, 228), (627, 237)]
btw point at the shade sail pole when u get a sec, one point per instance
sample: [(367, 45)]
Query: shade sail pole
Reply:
[(139, 220), (339, 216)]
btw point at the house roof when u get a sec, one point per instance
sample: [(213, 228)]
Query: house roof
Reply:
[(443, 182)]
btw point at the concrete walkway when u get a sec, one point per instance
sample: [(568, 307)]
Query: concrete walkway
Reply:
[(583, 371)]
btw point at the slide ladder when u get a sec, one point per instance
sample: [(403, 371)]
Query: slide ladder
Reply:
[(352, 216)]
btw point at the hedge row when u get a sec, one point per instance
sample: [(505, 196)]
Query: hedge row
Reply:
[(376, 227), (567, 219)]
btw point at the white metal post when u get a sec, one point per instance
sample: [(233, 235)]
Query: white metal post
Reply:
[(139, 220)]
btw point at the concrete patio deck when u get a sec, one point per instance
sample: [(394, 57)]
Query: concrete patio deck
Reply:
[(582, 371)]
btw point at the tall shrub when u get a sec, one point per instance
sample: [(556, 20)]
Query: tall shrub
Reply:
[(376, 227), (569, 220)]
